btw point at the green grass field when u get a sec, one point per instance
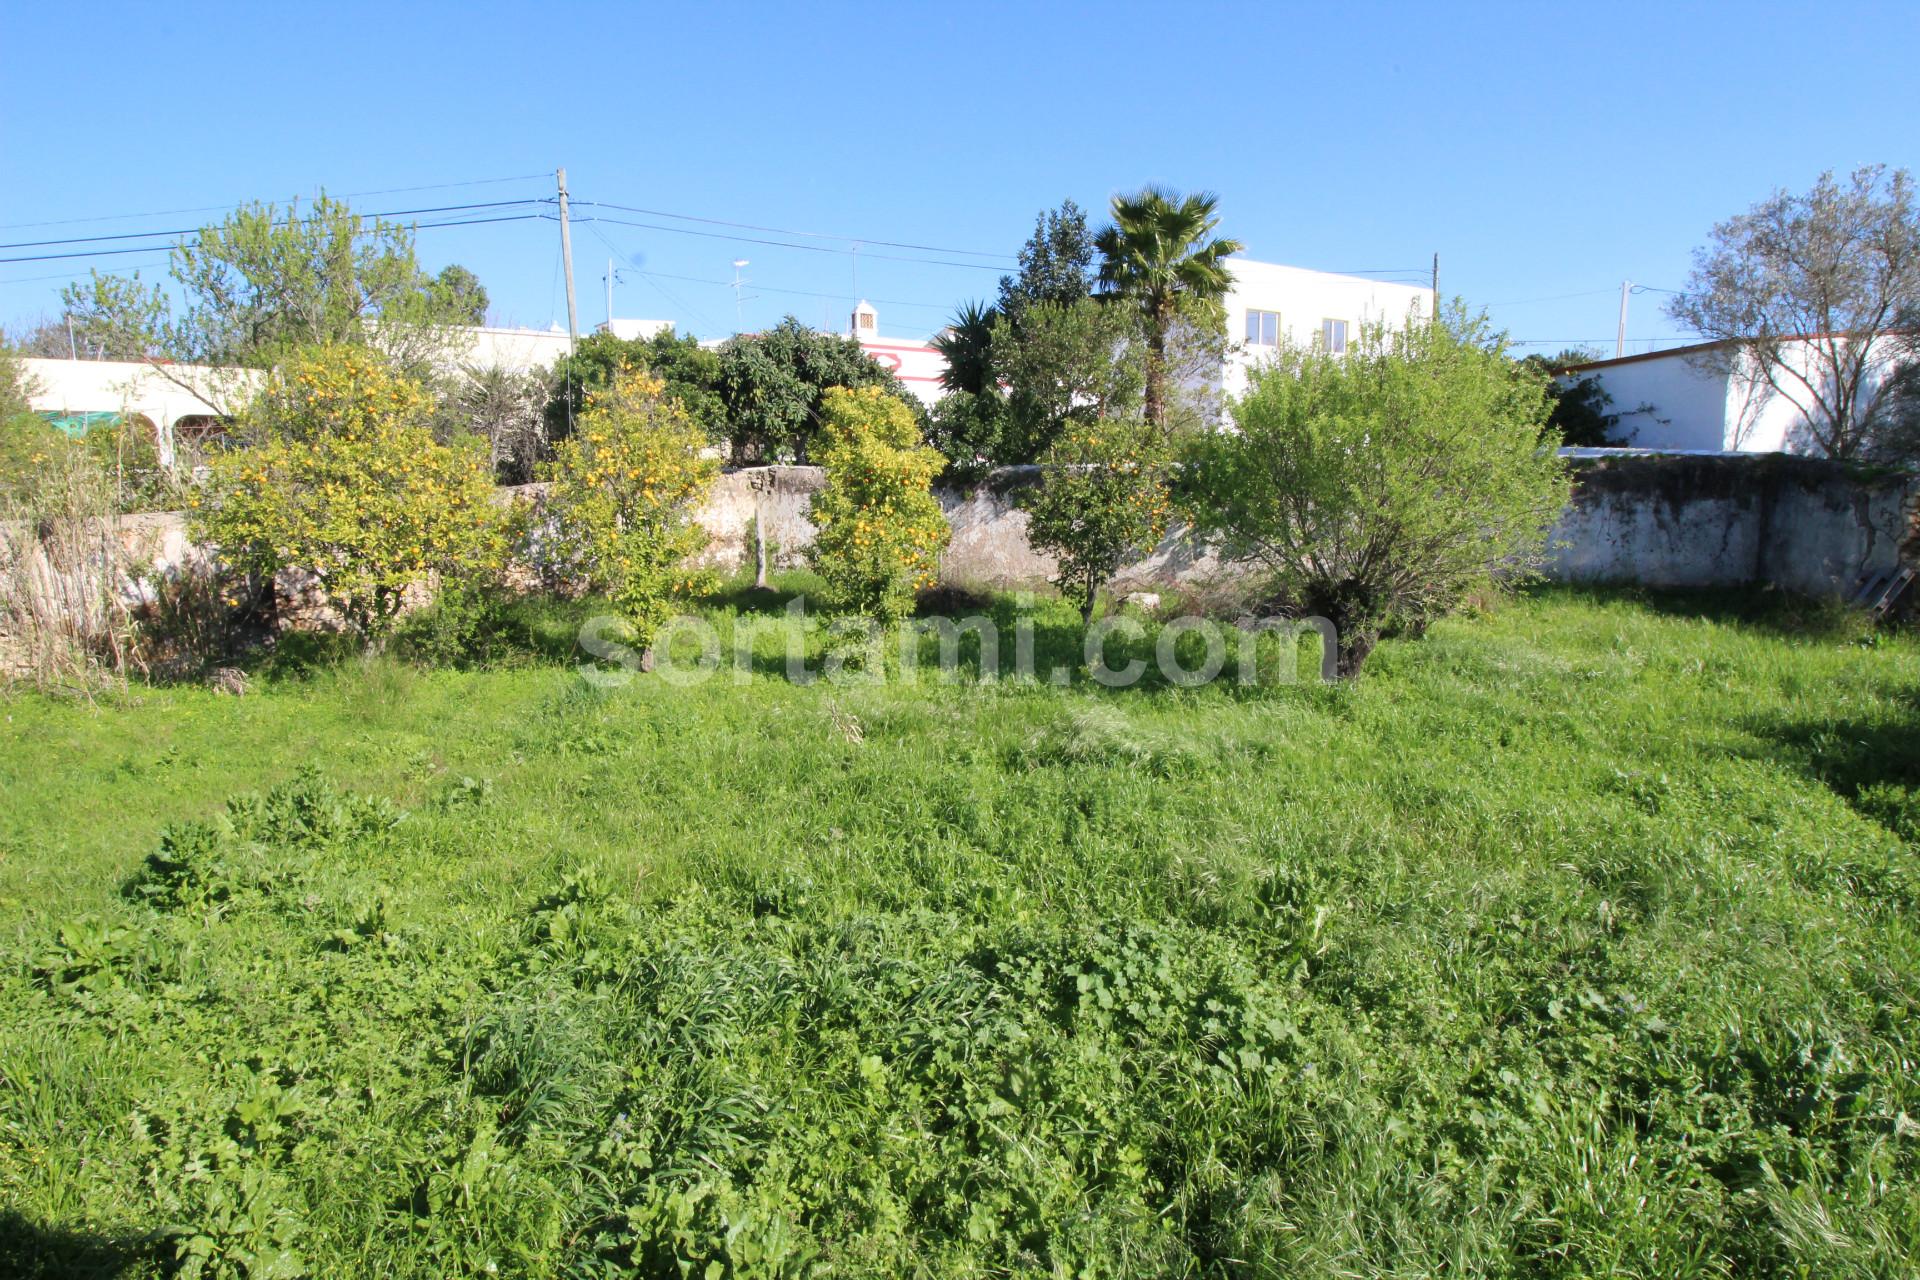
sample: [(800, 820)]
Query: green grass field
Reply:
[(1578, 939)]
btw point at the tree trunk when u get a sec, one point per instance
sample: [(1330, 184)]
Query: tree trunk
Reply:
[(1355, 644), (759, 547), (1156, 389), (1349, 606)]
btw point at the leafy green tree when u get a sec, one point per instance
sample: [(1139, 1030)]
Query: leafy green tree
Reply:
[(268, 281), (626, 487), (117, 317), (690, 372), (459, 296), (970, 431), (774, 387), (881, 531), (1102, 501), (1056, 264), (1806, 294), (1380, 488), (349, 486), (1072, 363), (1156, 255)]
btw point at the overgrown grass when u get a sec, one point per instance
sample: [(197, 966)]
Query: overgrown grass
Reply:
[(1578, 939)]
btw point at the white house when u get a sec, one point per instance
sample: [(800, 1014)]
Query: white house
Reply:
[(916, 363), (1707, 398), (171, 402), (1270, 304), (1267, 305)]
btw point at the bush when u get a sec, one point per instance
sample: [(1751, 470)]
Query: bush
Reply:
[(1383, 487), (881, 531), (348, 485), (626, 486), (1102, 499)]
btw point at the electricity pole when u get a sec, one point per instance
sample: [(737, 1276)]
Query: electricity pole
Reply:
[(566, 258), (1436, 288), (1620, 334)]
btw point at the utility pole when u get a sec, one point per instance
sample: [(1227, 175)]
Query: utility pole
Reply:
[(1436, 288), (1620, 334), (609, 295), (73, 347), (566, 259)]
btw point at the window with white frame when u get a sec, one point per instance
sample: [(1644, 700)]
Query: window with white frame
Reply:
[(1263, 328), (1333, 336)]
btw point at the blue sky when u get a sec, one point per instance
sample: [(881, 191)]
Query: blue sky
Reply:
[(1546, 152)]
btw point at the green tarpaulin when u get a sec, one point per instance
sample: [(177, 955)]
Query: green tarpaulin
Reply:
[(78, 424)]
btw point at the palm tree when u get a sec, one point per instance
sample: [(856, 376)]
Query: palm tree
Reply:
[(967, 345), (1155, 254)]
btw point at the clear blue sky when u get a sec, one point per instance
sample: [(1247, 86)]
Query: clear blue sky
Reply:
[(1542, 150)]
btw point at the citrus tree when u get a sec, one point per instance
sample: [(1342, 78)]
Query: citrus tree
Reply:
[(880, 529), (345, 483), (626, 487), (1382, 487), (1102, 500)]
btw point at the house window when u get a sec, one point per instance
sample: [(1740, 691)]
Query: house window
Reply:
[(1333, 336), (1263, 328), (865, 319)]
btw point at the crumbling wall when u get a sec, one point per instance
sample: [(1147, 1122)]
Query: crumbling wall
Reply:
[(1804, 524)]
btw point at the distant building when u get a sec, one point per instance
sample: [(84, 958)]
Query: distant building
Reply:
[(918, 364), (1268, 306), (172, 403), (633, 330), (1705, 398), (1271, 305), (503, 347)]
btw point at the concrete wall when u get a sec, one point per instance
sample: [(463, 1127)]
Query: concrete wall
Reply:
[(1657, 520), (1801, 523)]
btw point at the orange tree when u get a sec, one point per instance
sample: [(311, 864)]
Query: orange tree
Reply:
[(1101, 500), (626, 486), (881, 531), (345, 482)]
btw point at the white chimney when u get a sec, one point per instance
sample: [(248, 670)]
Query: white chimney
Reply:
[(866, 321)]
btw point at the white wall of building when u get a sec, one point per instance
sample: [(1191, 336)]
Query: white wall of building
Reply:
[(917, 364), (183, 391), (1304, 300), (1687, 399), (487, 347)]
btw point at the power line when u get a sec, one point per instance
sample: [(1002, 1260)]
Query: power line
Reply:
[(787, 244), (1558, 297), (807, 235), (188, 231), (216, 208), (80, 275), (149, 248)]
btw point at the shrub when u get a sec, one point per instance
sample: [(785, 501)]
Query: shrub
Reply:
[(1382, 487), (626, 486), (881, 531), (348, 485), (65, 621), (1102, 499)]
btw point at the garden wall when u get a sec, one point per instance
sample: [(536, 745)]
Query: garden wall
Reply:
[(1657, 520), (1720, 520)]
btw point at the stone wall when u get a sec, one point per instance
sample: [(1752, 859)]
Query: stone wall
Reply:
[(1657, 520), (1730, 520)]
